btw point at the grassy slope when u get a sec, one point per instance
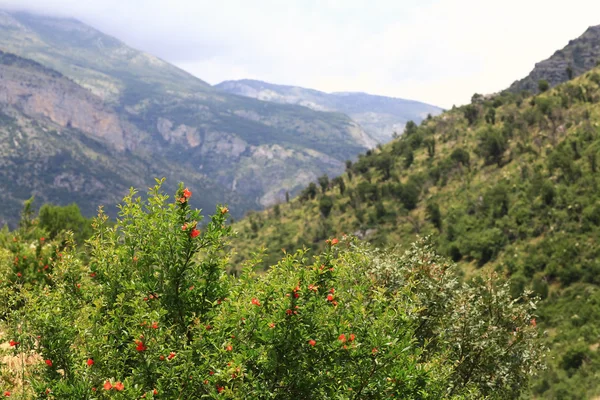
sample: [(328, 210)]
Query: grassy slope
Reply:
[(531, 213)]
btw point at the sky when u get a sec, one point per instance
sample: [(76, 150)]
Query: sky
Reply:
[(436, 51)]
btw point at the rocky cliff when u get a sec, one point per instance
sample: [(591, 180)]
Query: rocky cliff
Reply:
[(579, 56)]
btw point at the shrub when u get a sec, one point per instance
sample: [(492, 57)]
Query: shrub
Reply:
[(153, 314), (543, 85)]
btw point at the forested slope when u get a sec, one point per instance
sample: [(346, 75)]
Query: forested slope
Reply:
[(506, 183)]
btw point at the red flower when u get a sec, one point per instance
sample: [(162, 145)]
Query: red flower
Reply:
[(272, 325), (186, 193), (220, 389), (48, 362), (211, 372), (107, 385), (288, 311), (19, 274), (332, 290), (13, 343), (224, 210), (208, 327), (90, 362), (171, 355), (312, 342), (161, 358), (296, 295), (352, 337), (533, 323), (374, 351), (140, 346), (42, 239), (342, 338), (119, 386), (155, 325), (229, 348), (155, 392), (7, 394), (255, 301), (334, 241), (195, 232), (329, 297)]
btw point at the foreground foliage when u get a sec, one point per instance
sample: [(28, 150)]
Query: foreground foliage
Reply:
[(153, 313)]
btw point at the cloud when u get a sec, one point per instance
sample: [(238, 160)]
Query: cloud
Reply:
[(438, 51)]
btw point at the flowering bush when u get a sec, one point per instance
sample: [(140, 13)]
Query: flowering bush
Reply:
[(153, 314)]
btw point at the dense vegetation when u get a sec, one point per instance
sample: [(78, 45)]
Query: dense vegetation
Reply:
[(149, 311), (508, 183)]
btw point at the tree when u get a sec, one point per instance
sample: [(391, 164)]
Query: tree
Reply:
[(324, 183), (325, 205), (409, 157), (410, 128), (492, 146), (461, 156), (430, 143), (490, 116), (310, 192), (384, 163), (55, 219), (339, 181), (434, 215), (476, 98), (569, 71), (471, 113), (543, 85)]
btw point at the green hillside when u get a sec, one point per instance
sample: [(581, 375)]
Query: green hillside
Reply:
[(507, 184)]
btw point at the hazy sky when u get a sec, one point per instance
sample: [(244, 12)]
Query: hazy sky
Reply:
[(437, 51)]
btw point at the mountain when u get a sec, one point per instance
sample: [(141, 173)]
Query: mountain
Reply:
[(506, 185), (579, 56), (249, 149), (380, 116), (63, 144)]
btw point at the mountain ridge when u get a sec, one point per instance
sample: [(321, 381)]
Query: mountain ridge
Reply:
[(380, 116), (182, 120)]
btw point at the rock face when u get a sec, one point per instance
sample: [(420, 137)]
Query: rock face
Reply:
[(379, 116), (29, 87), (579, 56)]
